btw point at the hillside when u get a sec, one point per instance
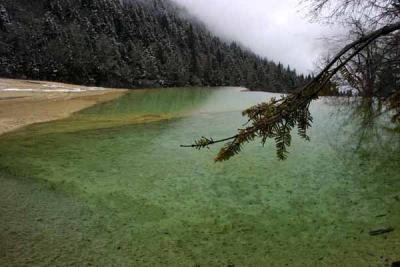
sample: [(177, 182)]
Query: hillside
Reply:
[(128, 43)]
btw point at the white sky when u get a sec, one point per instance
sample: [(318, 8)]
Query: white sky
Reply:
[(276, 29)]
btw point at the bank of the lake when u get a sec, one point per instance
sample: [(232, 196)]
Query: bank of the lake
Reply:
[(24, 102)]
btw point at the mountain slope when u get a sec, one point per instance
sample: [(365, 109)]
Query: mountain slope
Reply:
[(128, 43)]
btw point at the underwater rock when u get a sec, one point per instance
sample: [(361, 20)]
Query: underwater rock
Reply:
[(381, 231)]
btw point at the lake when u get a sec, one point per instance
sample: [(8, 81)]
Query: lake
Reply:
[(110, 186)]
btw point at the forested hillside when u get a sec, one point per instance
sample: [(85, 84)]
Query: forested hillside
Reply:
[(129, 43)]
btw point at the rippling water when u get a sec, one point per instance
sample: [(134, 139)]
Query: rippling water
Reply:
[(110, 186)]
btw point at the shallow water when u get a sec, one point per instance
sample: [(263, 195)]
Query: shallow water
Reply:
[(110, 186)]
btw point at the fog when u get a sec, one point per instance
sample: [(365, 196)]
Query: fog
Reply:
[(278, 30)]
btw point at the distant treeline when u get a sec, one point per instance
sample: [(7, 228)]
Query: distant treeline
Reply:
[(128, 43)]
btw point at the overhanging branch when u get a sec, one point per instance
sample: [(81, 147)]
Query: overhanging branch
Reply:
[(276, 119)]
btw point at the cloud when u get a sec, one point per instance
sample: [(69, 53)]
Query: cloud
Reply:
[(276, 29)]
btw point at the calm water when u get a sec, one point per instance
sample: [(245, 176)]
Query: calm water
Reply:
[(110, 186)]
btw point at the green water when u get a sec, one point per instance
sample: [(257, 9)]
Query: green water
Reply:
[(110, 186)]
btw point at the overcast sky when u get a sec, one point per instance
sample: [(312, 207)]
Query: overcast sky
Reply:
[(276, 29)]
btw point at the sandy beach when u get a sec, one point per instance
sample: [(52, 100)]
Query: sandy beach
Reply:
[(24, 102)]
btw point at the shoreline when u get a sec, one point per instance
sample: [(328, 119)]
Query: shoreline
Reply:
[(25, 102)]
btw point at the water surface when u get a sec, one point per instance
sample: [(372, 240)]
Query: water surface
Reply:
[(110, 186)]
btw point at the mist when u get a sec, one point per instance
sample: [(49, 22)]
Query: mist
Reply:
[(277, 30)]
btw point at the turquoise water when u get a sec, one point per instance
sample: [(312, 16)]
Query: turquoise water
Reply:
[(110, 186)]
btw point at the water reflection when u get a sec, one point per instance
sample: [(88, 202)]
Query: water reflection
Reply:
[(366, 124)]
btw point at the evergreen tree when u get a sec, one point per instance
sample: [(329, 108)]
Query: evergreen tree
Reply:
[(128, 43)]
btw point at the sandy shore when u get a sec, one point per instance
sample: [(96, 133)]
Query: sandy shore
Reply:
[(26, 102)]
